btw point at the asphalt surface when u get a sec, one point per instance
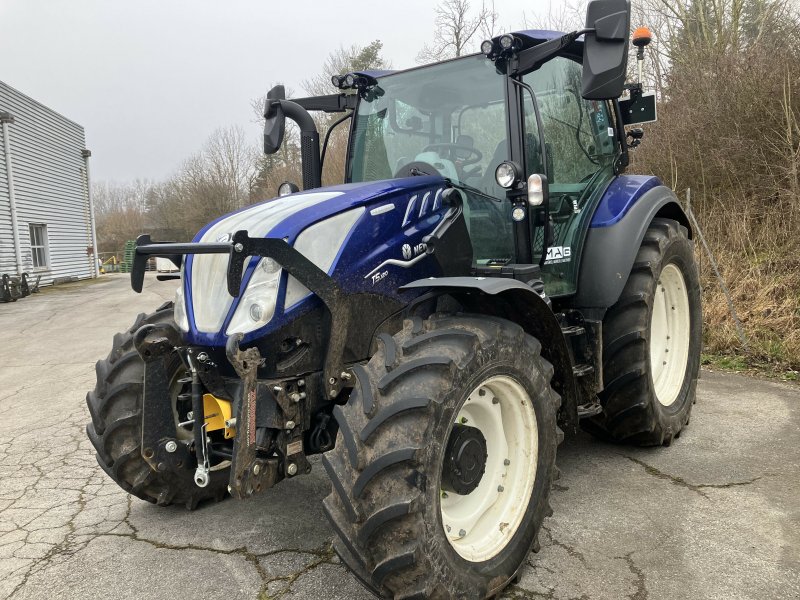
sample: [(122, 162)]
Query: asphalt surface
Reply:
[(717, 515)]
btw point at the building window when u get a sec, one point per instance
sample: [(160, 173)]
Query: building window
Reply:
[(39, 245)]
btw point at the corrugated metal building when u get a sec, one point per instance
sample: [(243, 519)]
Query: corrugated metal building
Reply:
[(44, 189)]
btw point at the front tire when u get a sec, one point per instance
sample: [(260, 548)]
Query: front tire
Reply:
[(388, 508), (652, 338), (115, 431)]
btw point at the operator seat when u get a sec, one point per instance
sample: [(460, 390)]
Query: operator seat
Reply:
[(488, 183)]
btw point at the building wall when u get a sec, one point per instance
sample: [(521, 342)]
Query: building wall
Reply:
[(50, 188), (6, 239)]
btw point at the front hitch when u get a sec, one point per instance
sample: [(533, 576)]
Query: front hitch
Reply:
[(160, 448), (249, 474)]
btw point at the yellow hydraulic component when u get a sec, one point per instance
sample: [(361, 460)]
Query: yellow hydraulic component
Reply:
[(217, 411)]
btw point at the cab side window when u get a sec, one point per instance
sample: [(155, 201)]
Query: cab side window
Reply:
[(579, 133)]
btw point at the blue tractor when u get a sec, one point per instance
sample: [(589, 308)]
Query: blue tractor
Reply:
[(486, 278)]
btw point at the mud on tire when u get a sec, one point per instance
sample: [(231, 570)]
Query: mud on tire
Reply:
[(115, 406), (632, 412), (387, 463)]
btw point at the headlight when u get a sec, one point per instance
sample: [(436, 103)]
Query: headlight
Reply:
[(286, 188), (257, 304), (320, 244), (208, 295), (179, 314)]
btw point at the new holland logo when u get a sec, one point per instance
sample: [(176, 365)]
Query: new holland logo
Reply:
[(407, 253)]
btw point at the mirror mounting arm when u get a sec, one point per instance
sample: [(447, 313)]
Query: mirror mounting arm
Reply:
[(528, 60)]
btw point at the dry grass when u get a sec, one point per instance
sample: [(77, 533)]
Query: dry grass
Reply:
[(759, 259)]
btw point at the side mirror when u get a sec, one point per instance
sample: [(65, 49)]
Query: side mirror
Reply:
[(274, 120), (605, 49)]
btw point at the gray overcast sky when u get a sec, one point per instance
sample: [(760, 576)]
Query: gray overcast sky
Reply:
[(151, 79)]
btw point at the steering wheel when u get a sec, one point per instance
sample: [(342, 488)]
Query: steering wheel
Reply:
[(476, 155)]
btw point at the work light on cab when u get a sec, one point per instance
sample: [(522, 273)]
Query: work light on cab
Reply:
[(506, 174)]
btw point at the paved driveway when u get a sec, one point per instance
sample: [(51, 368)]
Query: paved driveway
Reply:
[(717, 515)]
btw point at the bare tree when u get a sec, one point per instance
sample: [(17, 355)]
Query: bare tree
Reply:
[(568, 15), (455, 29), (121, 210)]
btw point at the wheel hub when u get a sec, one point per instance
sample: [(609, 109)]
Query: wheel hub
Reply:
[(481, 521), (465, 460)]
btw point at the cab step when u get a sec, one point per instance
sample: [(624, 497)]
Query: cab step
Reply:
[(591, 409), (582, 370)]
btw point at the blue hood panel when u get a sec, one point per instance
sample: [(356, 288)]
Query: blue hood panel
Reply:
[(382, 251)]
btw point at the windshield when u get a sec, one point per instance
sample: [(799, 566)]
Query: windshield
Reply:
[(449, 118)]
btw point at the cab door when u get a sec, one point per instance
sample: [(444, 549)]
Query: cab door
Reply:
[(581, 152)]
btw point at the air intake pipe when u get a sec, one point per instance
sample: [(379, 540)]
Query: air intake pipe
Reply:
[(276, 109)]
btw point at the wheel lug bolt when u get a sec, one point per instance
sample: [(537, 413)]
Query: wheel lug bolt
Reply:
[(506, 462), (500, 488), (461, 533), (463, 420)]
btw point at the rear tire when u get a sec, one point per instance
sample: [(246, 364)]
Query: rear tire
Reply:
[(387, 506), (115, 431), (652, 338)]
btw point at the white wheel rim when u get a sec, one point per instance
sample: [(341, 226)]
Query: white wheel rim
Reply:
[(669, 335), (480, 524)]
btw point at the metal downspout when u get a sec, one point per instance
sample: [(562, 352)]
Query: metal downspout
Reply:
[(95, 270), (6, 119)]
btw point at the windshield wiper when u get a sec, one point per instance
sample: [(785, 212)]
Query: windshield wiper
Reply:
[(460, 186), (468, 188)]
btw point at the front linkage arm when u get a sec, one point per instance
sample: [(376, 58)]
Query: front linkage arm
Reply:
[(306, 272)]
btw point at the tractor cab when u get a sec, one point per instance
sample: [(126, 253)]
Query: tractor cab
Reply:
[(456, 119), (528, 130)]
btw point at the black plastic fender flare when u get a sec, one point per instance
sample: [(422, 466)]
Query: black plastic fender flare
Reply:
[(513, 300), (609, 252)]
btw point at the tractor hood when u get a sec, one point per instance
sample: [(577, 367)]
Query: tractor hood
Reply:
[(366, 235)]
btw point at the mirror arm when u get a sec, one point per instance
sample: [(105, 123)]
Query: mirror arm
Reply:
[(527, 60)]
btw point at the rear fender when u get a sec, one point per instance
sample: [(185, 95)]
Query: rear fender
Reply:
[(610, 248), (513, 300)]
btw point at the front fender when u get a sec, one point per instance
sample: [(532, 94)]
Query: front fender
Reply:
[(513, 300)]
